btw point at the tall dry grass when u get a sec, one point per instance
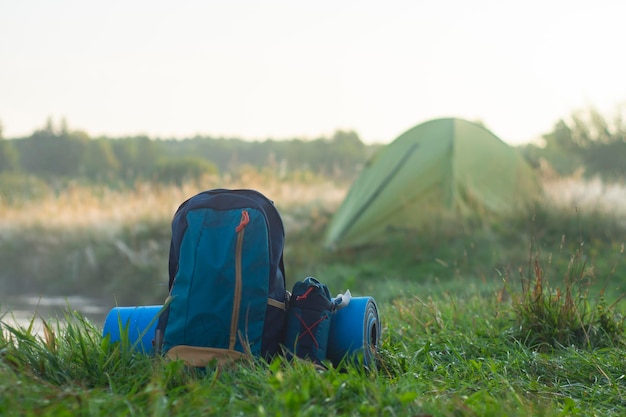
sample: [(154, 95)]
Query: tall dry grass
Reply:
[(106, 210)]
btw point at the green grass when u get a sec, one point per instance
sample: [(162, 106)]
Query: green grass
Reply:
[(522, 317), (441, 355), (449, 348)]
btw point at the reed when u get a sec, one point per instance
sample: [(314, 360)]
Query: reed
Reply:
[(107, 210)]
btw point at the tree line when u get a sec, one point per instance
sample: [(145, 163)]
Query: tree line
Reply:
[(586, 141), (56, 153)]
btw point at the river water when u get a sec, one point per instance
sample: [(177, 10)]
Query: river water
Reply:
[(21, 310)]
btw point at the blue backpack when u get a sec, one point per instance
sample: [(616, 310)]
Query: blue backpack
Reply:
[(227, 294)]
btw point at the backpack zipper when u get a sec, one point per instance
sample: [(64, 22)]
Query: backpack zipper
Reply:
[(305, 295), (245, 219)]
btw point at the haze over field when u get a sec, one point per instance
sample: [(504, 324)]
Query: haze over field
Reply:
[(286, 69)]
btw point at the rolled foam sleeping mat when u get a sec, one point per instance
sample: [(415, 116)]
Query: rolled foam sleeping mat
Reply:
[(140, 321), (355, 333), (354, 330)]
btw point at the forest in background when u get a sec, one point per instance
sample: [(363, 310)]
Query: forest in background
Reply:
[(586, 143), (57, 156)]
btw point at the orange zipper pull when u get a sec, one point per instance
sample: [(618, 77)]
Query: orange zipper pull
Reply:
[(305, 295), (245, 219)]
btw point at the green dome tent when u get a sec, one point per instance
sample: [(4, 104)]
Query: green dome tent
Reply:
[(441, 169)]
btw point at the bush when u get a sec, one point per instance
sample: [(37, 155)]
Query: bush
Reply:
[(179, 170)]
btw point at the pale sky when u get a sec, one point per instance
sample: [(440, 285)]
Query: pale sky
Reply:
[(285, 69)]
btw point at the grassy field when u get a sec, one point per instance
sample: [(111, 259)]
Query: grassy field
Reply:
[(518, 317)]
